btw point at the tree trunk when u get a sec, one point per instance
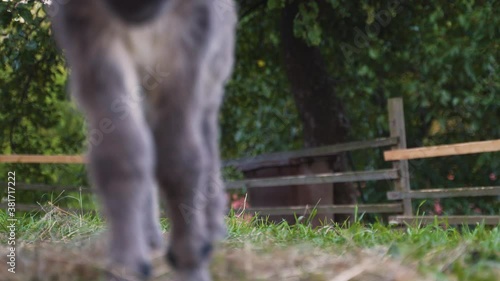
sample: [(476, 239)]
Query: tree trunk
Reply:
[(320, 109)]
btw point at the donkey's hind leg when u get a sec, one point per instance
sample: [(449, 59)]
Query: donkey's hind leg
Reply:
[(216, 201)]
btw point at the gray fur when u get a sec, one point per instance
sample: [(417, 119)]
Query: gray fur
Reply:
[(152, 92)]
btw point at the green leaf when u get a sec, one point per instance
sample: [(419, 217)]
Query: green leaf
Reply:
[(25, 13), (306, 25), (275, 4)]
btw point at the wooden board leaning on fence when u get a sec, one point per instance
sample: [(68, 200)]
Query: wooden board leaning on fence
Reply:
[(441, 151)]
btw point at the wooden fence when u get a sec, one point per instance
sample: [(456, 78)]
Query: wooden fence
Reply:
[(442, 151), (401, 194)]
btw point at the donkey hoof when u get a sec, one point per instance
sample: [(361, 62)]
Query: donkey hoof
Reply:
[(145, 270), (206, 251), (187, 261), (172, 260)]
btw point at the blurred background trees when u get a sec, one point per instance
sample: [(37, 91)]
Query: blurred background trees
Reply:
[(308, 73)]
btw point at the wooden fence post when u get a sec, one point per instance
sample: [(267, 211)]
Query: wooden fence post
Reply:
[(397, 128)]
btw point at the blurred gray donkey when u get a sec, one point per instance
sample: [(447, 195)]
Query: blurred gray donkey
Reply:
[(149, 76)]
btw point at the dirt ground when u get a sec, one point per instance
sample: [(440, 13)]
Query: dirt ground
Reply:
[(85, 261)]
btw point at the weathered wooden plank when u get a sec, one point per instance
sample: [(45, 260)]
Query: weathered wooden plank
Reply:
[(272, 158), (388, 174), (445, 193), (456, 220), (281, 158), (49, 188), (397, 128), (43, 159), (336, 209), (443, 150)]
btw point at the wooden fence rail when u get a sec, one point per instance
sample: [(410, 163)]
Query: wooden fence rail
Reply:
[(443, 150), (287, 157), (43, 159), (389, 174), (272, 158), (456, 220), (445, 193), (337, 209)]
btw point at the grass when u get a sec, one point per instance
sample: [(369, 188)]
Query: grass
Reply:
[(64, 244)]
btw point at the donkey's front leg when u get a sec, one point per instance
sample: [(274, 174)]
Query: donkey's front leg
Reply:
[(182, 172), (121, 156)]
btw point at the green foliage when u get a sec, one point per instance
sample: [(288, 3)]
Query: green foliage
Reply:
[(275, 4), (35, 114), (256, 117), (306, 25), (442, 58)]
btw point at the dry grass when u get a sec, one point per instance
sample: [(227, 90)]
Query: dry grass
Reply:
[(308, 264), (65, 262)]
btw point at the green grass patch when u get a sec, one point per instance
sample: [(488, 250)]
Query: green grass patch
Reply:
[(436, 251)]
